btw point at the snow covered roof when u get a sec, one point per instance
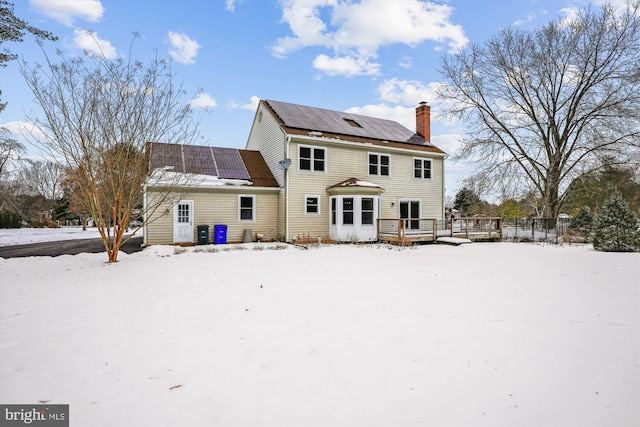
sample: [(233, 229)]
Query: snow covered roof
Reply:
[(352, 183)]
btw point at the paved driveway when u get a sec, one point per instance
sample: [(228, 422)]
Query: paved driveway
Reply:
[(65, 247)]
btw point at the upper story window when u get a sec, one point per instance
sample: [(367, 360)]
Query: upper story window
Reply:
[(379, 164), (312, 158), (422, 168)]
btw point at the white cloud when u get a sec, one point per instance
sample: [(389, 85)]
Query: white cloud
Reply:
[(449, 143), (530, 17), (252, 105), (305, 23), (346, 65), (358, 29), (203, 101), (569, 14), (23, 131), (618, 5), (183, 49), (405, 62), (67, 11), (90, 42), (407, 92)]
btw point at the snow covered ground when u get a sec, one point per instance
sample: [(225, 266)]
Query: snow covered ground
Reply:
[(477, 334), (23, 236)]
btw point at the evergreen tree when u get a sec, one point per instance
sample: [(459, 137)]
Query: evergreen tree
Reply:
[(583, 221), (467, 202), (616, 229)]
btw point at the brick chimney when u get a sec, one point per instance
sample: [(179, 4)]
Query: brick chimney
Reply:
[(423, 121)]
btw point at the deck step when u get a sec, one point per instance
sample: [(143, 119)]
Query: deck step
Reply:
[(457, 241)]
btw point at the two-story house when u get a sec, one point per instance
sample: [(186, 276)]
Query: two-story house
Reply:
[(306, 171)]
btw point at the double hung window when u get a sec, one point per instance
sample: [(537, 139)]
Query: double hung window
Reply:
[(312, 158), (312, 205), (367, 211), (422, 168), (247, 208), (347, 210), (379, 164)]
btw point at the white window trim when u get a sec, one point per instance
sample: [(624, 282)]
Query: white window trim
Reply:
[(253, 208), (409, 200), (373, 211), (306, 196), (312, 148), (413, 167), (379, 164)]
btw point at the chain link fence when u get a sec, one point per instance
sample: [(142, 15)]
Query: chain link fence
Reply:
[(535, 229)]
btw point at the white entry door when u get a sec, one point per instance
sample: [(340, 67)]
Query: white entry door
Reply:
[(353, 218), (183, 222)]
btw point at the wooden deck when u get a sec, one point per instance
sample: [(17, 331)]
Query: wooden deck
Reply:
[(477, 228), (409, 231)]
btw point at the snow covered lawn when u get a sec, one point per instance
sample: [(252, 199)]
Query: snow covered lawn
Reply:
[(24, 236), (477, 334)]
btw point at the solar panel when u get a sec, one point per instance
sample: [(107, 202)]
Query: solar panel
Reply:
[(319, 119), (167, 156), (199, 160), (230, 164)]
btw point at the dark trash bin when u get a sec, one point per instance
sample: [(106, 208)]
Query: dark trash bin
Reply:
[(220, 234), (203, 234)]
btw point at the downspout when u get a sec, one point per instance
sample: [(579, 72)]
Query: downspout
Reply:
[(144, 213), (444, 209), (286, 190)]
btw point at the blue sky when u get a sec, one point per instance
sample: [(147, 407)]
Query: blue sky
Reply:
[(377, 57)]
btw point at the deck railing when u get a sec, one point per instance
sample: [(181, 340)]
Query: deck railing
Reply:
[(406, 231), (481, 227), (420, 229)]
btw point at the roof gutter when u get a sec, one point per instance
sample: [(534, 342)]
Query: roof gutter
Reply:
[(365, 145)]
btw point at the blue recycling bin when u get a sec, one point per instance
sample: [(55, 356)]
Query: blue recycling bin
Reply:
[(220, 234)]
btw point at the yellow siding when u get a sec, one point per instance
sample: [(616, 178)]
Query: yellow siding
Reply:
[(344, 162), (218, 206)]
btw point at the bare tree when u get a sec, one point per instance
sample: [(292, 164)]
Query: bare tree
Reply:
[(543, 107), (98, 115), (78, 204), (44, 179), (10, 149)]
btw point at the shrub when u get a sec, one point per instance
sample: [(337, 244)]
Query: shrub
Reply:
[(582, 221), (616, 229), (10, 219)]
